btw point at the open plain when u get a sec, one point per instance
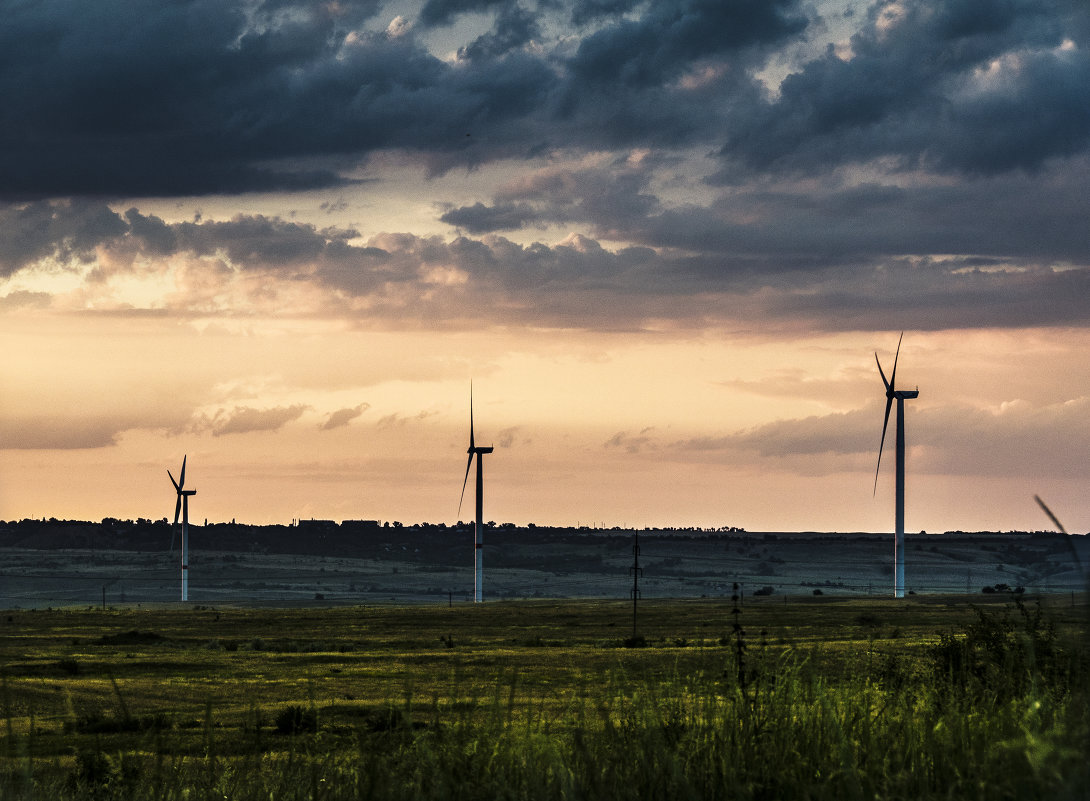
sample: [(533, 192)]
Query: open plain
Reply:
[(815, 697), (318, 661), (58, 563)]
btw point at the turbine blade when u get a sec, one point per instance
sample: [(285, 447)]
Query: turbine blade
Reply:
[(470, 415), (1059, 525), (880, 372), (177, 509), (181, 478), (885, 423), (175, 483), (465, 481), (893, 375), (1055, 520), (173, 535)]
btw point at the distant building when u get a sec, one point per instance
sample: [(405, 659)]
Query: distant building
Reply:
[(313, 525), (360, 526)]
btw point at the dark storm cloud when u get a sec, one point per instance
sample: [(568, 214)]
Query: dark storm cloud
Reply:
[(627, 84), (1014, 215), (142, 98), (480, 219), (961, 86), (63, 231), (146, 98), (670, 36), (612, 198), (837, 272), (514, 27), (443, 12), (584, 11), (256, 241), (789, 236)]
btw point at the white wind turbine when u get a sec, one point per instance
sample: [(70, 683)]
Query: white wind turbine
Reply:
[(182, 507), (892, 394), (478, 531)]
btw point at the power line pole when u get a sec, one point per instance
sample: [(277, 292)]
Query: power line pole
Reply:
[(636, 572)]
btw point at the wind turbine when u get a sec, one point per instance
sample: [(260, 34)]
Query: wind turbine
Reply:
[(182, 507), (478, 530), (894, 394)]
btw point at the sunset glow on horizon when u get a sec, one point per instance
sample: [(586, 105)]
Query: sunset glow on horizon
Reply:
[(664, 241)]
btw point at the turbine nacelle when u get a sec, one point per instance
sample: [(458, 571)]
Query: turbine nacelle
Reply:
[(179, 488)]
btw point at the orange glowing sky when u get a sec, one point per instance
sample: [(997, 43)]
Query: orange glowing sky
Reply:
[(666, 268)]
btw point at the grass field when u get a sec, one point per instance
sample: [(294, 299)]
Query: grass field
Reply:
[(936, 697), (235, 565)]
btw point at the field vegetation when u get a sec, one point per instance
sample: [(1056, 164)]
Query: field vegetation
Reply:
[(929, 697)]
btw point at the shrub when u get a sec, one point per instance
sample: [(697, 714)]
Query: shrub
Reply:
[(296, 720), (129, 638), (1003, 655)]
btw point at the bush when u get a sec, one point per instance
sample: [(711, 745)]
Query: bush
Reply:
[(1002, 655), (296, 720), (133, 637)]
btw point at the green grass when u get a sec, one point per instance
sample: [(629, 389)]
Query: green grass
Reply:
[(924, 698)]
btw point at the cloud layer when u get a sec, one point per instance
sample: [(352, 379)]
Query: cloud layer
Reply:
[(234, 267), (141, 98), (915, 164)]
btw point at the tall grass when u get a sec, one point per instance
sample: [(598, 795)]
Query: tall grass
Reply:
[(994, 711)]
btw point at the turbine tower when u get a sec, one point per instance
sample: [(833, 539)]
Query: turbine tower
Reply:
[(894, 394), (182, 507), (478, 529)]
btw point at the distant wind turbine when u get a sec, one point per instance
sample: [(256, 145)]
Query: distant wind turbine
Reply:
[(892, 394), (478, 531), (182, 507)]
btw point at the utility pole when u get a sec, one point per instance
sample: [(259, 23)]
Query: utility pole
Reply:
[(636, 572), (109, 583)]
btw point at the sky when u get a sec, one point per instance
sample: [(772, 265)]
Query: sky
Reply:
[(663, 240)]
